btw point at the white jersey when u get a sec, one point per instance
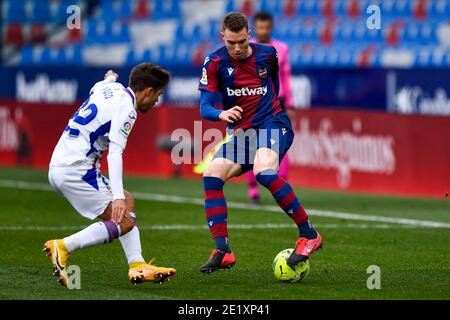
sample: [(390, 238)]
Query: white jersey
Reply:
[(107, 115)]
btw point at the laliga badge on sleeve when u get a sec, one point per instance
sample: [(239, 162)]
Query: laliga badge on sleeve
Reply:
[(126, 129), (204, 79)]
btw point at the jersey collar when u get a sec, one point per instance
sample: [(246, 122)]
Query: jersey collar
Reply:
[(132, 95)]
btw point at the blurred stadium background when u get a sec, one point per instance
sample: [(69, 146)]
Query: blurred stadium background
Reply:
[(372, 115), (372, 105)]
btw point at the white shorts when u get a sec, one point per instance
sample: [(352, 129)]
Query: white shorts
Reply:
[(86, 189)]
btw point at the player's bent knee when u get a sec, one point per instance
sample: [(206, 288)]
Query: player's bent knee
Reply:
[(222, 168), (129, 200), (214, 171), (126, 225), (258, 169)]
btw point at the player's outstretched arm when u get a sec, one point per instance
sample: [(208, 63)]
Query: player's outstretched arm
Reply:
[(121, 124), (208, 111), (115, 169), (109, 77)]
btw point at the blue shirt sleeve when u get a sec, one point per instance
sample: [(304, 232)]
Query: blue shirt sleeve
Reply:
[(207, 110)]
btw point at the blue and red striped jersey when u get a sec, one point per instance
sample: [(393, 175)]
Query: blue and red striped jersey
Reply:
[(251, 83)]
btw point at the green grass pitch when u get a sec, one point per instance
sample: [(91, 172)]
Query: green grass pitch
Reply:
[(414, 260)]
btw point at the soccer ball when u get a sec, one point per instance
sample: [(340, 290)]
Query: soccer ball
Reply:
[(283, 272)]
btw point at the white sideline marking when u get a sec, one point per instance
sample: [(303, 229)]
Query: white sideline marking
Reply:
[(173, 227), (237, 205)]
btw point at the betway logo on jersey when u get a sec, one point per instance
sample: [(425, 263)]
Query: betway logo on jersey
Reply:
[(247, 91)]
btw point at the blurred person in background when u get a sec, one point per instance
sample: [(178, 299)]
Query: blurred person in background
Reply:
[(263, 24)]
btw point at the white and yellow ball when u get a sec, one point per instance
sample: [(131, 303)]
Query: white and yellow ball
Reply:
[(283, 272)]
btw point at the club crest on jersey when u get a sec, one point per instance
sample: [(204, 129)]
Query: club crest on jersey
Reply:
[(204, 79), (262, 72)]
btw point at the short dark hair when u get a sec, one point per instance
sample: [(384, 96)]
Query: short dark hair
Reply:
[(263, 16), (147, 75), (235, 22)]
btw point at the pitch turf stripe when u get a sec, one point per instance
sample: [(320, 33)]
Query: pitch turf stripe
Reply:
[(311, 212), (237, 205), (175, 227)]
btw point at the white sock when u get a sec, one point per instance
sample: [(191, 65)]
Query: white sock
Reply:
[(97, 233), (131, 244)]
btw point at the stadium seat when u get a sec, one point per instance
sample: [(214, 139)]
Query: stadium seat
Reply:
[(344, 32), (14, 35), (26, 55), (328, 25), (290, 8), (309, 32), (439, 9), (15, 12), (107, 11), (131, 57), (428, 33), (60, 14), (142, 10), (423, 57), (183, 52), (74, 35), (125, 10), (248, 8), (147, 55), (387, 7), (327, 9), (37, 33), (214, 30), (393, 31), (52, 56), (308, 8), (439, 57), (164, 54), (41, 11), (199, 54), (327, 34), (365, 56), (397, 9), (420, 9), (73, 55), (137, 56), (354, 9), (95, 31), (411, 33), (283, 27), (179, 32), (122, 33)]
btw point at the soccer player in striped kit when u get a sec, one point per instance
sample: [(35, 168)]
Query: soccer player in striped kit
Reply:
[(247, 76), (263, 27)]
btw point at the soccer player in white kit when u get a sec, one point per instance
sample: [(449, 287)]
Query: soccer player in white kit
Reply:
[(104, 120)]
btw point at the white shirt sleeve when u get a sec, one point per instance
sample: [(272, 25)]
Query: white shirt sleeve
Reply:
[(115, 169), (122, 122)]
